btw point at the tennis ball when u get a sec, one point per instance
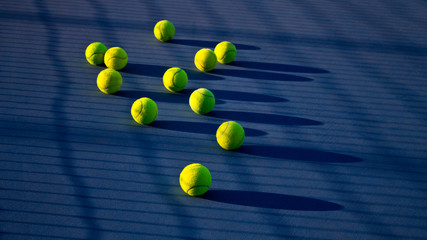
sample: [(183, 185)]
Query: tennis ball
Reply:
[(95, 53), (175, 79), (202, 101), (230, 135), (116, 58), (144, 111), (164, 30), (205, 60), (195, 179), (109, 81), (225, 52)]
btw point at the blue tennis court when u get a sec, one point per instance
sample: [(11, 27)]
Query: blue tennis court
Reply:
[(332, 96)]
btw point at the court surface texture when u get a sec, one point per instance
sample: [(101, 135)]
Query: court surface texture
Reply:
[(332, 96)]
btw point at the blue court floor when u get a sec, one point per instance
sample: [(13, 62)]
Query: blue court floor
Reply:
[(332, 96)]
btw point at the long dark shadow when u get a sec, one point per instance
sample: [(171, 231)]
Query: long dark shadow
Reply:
[(181, 97), (299, 154), (158, 71), (199, 127), (277, 67), (210, 44), (270, 200), (263, 118), (245, 96), (198, 75), (145, 69), (260, 75)]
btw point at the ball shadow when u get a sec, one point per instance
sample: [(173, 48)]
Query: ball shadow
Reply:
[(181, 97), (158, 71), (198, 75), (277, 67), (300, 154), (145, 69), (260, 75), (210, 44), (263, 118), (156, 96), (199, 127), (270, 200), (246, 96)]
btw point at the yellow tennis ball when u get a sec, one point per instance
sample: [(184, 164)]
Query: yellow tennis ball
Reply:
[(144, 111), (225, 52), (164, 30), (109, 81), (202, 101), (175, 79), (205, 60), (95, 53), (116, 58), (195, 179), (230, 135)]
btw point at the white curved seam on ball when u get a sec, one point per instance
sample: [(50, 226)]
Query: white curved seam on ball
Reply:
[(225, 54), (228, 123), (173, 77), (108, 60), (203, 94), (117, 58), (161, 34), (142, 106), (200, 64), (197, 187), (96, 53)]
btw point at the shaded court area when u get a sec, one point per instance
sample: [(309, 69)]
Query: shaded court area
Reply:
[(332, 97)]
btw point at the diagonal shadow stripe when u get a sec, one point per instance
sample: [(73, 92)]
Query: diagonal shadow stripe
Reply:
[(199, 127), (263, 118), (210, 44), (270, 200), (245, 96), (260, 75), (300, 154), (277, 67)]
